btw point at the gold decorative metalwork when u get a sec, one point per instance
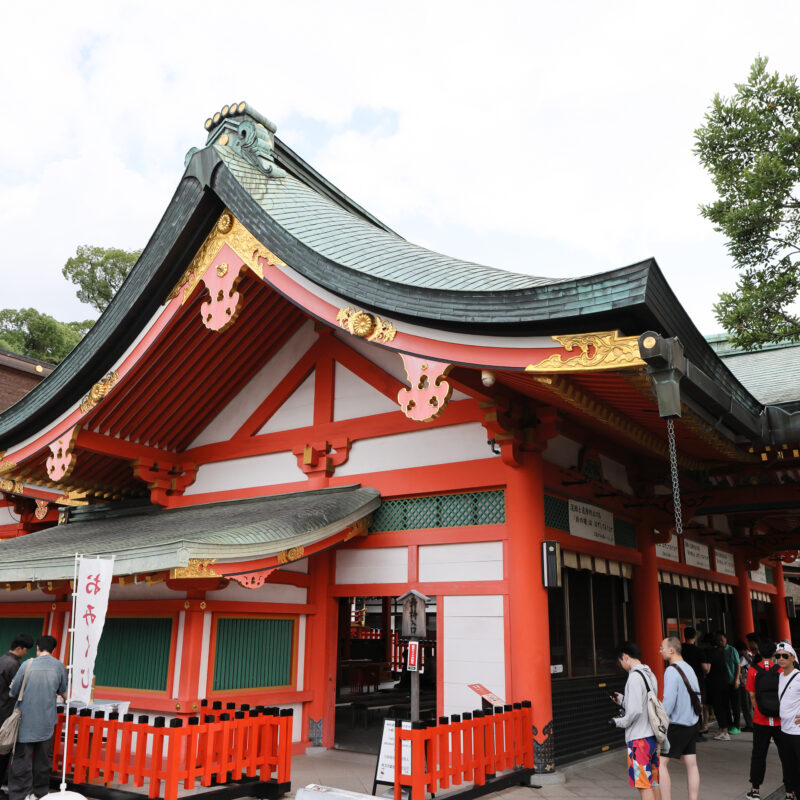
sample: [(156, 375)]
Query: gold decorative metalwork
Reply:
[(99, 391), (230, 231), (12, 485), (75, 497), (603, 350), (196, 568), (360, 528), (365, 326), (222, 270), (292, 554), (7, 466)]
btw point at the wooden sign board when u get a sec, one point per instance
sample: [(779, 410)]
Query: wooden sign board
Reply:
[(414, 615), (485, 694)]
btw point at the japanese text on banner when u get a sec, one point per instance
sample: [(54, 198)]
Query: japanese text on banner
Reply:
[(91, 603)]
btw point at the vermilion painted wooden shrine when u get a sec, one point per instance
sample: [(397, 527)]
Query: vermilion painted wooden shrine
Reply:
[(289, 416)]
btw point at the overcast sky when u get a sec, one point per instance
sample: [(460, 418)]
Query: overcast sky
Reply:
[(550, 138)]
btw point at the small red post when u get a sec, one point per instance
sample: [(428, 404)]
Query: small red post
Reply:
[(456, 763)]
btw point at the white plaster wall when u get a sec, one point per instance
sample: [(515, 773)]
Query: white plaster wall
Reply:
[(469, 561), (421, 448), (297, 719), (372, 565), (205, 646), (231, 418), (616, 474), (268, 593), (474, 649), (297, 566), (562, 451), (354, 397), (296, 412), (141, 591), (7, 516), (242, 473)]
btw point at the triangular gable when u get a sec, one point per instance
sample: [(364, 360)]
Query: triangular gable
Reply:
[(296, 412), (355, 397)]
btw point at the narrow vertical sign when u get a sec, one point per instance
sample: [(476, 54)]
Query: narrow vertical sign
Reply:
[(413, 656), (91, 603)]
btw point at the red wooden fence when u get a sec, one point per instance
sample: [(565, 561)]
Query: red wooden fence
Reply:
[(466, 748), (255, 743)]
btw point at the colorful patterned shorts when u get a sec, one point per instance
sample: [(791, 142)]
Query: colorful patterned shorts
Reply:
[(643, 763)]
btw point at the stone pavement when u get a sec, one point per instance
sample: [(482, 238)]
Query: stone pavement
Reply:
[(724, 768)]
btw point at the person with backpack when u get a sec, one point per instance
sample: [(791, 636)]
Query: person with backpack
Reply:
[(762, 686), (640, 736), (789, 704), (682, 705)]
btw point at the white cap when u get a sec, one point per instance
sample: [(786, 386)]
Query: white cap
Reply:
[(787, 648)]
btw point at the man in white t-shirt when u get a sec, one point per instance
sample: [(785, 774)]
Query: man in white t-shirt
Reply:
[(789, 696)]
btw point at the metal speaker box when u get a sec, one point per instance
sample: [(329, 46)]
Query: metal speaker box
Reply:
[(551, 564)]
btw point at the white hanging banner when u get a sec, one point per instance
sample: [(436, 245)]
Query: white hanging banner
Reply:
[(91, 603)]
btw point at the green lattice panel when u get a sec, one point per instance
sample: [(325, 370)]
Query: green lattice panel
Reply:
[(770, 574), (134, 653), (11, 626), (253, 653), (440, 511), (556, 513)]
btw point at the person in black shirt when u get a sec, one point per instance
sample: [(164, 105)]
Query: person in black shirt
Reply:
[(693, 656), (9, 665)]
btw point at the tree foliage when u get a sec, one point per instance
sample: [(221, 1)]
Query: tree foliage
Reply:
[(98, 273), (750, 144), (40, 336)]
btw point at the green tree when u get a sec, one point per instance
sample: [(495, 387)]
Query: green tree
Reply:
[(99, 272), (30, 333), (750, 145)]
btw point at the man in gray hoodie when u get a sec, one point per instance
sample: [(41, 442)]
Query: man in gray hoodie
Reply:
[(643, 760)]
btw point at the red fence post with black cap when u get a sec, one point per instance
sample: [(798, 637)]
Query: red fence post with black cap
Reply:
[(527, 734)]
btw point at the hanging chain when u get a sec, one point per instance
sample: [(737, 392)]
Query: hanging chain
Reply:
[(673, 468)]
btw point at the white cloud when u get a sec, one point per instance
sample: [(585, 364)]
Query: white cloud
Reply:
[(558, 135)]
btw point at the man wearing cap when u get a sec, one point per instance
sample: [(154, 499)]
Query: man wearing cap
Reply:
[(789, 698)]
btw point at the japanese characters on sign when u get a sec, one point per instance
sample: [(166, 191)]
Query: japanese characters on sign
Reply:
[(414, 617), (668, 550), (759, 575), (696, 554), (413, 656), (91, 603), (591, 522), (724, 562)]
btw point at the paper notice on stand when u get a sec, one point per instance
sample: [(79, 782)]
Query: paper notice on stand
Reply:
[(91, 603)]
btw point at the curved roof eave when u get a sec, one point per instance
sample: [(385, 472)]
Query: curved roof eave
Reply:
[(633, 298)]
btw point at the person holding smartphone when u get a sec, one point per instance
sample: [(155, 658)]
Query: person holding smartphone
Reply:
[(789, 701)]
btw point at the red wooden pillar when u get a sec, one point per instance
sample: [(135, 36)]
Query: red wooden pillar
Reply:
[(59, 630), (320, 653), (783, 631), (191, 653), (647, 622), (529, 624), (741, 598)]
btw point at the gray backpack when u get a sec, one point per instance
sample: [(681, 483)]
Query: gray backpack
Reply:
[(659, 721)]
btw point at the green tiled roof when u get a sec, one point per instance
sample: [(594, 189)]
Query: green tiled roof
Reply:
[(354, 242), (771, 375), (149, 542)]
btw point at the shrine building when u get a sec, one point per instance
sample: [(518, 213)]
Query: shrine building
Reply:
[(289, 416)]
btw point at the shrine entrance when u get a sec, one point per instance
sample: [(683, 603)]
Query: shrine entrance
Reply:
[(371, 680)]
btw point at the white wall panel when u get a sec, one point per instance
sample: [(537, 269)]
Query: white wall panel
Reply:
[(422, 448), (7, 516), (354, 397), (562, 451), (268, 593), (372, 565), (242, 473), (296, 412), (616, 474), (141, 591), (297, 566), (233, 416), (473, 632), (469, 561)]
